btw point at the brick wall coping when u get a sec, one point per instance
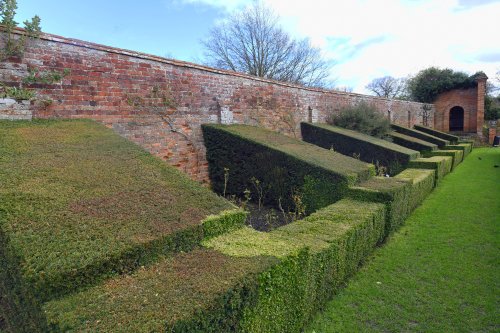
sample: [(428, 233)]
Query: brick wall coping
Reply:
[(179, 63)]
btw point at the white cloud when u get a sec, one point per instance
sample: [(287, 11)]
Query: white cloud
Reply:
[(373, 38)]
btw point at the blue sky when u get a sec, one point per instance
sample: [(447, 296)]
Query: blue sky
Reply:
[(365, 38)]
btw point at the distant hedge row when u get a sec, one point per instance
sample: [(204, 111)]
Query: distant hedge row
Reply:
[(445, 136), (411, 142), (441, 164), (420, 135), (240, 155), (465, 147), (351, 143), (457, 155)]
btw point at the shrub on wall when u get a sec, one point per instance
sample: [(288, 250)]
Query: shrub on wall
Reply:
[(363, 118)]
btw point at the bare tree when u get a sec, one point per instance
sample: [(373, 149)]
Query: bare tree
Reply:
[(252, 42), (388, 87)]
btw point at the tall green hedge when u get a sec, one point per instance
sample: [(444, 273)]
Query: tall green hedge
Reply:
[(411, 142), (351, 143), (238, 155), (441, 164), (445, 136), (420, 135)]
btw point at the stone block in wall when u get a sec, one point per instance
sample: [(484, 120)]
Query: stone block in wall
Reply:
[(10, 109), (226, 116)]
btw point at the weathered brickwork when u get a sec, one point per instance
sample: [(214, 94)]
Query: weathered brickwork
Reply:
[(12, 110), (161, 103)]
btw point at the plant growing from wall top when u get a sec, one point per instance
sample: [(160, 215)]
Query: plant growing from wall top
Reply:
[(14, 46)]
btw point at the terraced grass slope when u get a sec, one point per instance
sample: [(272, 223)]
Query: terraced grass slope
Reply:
[(78, 203), (241, 156), (352, 143)]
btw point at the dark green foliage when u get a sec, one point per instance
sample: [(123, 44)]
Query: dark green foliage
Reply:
[(428, 83), (441, 164), (445, 136), (491, 107), (283, 167), (363, 118), (351, 143), (411, 142), (420, 135), (79, 204), (457, 155)]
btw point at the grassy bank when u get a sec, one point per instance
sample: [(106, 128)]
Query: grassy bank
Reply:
[(440, 272)]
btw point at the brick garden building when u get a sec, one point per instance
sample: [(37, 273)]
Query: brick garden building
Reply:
[(461, 110)]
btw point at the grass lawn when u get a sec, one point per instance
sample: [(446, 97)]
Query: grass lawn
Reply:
[(441, 271)]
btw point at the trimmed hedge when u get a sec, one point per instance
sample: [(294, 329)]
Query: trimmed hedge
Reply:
[(283, 166), (445, 136), (350, 143), (422, 183), (465, 147), (246, 281), (441, 164), (457, 155), (420, 135), (411, 142), (78, 204), (339, 237), (394, 193), (200, 291)]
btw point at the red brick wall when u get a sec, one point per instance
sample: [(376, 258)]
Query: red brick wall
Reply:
[(161, 103)]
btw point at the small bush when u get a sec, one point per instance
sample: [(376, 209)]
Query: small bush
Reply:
[(363, 118)]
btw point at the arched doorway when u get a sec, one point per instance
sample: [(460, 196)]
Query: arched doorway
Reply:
[(456, 119)]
